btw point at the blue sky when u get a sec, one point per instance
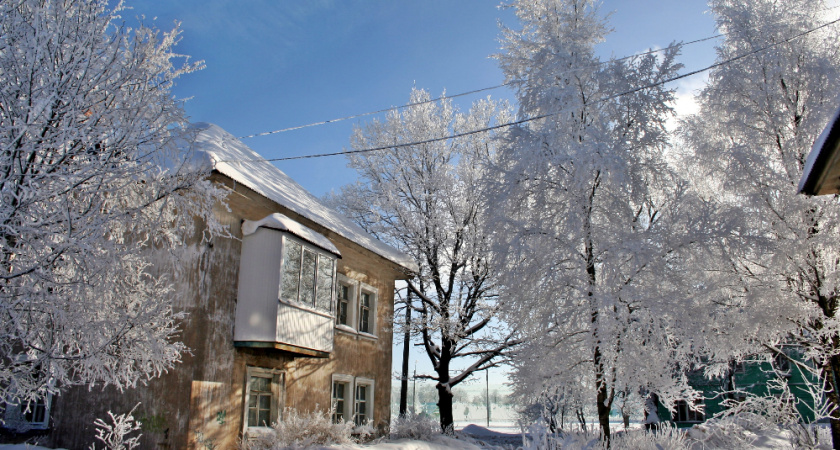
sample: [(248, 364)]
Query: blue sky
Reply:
[(273, 64)]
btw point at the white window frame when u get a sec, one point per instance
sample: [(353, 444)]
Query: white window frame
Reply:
[(374, 298), (683, 411), (353, 286), (277, 390), (349, 395), (371, 385), (351, 384), (15, 414), (320, 253)]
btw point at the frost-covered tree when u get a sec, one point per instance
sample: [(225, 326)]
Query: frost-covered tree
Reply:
[(426, 200), (760, 114), (93, 177), (593, 223)]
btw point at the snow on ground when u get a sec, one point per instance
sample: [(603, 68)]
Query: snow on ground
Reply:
[(474, 437)]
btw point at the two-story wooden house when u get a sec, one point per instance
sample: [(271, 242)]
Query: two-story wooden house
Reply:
[(294, 312)]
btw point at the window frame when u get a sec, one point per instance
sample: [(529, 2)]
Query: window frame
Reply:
[(350, 401), (277, 392), (15, 414), (353, 289), (374, 297), (320, 254), (370, 384), (683, 414), (349, 382)]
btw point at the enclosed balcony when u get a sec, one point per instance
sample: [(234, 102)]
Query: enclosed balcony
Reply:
[(286, 288)]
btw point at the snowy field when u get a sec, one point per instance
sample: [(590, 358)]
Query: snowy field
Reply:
[(474, 437)]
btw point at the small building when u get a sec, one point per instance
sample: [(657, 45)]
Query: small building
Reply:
[(756, 377), (295, 311)]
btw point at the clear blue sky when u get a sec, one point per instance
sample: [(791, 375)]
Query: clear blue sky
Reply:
[(273, 64)]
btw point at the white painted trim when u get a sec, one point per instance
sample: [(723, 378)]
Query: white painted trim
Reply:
[(374, 293), (371, 384), (349, 393), (278, 391)]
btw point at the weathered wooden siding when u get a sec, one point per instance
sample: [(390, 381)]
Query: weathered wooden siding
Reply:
[(203, 397)]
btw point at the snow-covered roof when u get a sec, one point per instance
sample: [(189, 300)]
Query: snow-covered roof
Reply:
[(280, 222), (820, 175), (230, 156)]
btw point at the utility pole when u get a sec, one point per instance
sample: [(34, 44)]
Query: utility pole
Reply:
[(414, 388), (406, 349), (487, 393)]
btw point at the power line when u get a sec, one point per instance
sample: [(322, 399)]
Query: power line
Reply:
[(543, 116), (474, 91)]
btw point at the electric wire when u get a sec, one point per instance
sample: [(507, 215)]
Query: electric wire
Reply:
[(543, 116), (490, 88), (474, 91)]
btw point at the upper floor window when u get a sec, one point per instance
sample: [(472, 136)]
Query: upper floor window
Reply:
[(307, 276), (355, 306), (364, 312), (343, 310)]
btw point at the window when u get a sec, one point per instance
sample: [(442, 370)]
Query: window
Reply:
[(307, 275), (263, 389), (781, 363), (363, 406), (355, 306), (31, 415), (364, 313), (367, 310), (352, 399), (345, 296), (682, 413), (342, 386)]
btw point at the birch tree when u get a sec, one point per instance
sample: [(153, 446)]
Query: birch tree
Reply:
[(760, 114), (93, 175), (425, 199), (593, 224)]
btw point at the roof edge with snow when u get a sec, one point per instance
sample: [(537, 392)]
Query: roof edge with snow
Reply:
[(231, 157)]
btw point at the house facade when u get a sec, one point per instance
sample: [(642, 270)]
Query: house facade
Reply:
[(294, 311)]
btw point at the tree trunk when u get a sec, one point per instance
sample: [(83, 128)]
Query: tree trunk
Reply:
[(447, 421), (604, 412), (406, 349), (830, 373)]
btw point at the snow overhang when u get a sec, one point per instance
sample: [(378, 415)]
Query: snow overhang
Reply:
[(821, 175), (280, 222), (224, 153)]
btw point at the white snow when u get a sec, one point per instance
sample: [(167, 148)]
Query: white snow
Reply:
[(280, 222), (230, 156)]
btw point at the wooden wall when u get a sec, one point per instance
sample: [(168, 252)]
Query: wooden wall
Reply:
[(201, 399)]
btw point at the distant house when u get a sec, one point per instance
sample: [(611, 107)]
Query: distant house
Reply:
[(747, 378), (295, 312), (821, 174)]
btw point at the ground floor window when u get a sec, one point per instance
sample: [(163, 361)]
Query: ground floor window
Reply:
[(682, 413), (263, 391), (352, 399), (28, 415), (342, 386)]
